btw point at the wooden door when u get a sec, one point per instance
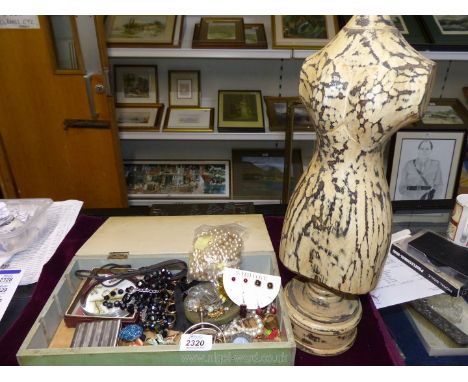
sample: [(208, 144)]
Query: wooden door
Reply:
[(40, 156)]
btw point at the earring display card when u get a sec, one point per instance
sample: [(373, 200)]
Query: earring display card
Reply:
[(250, 288), (96, 334)]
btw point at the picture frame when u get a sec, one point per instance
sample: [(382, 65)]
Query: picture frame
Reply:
[(240, 111), (144, 31), (219, 32), (424, 165), (184, 88), (136, 84), (447, 29), (411, 27), (277, 108), (135, 117), (255, 36), (189, 119), (303, 32), (445, 112), (178, 179), (258, 173)]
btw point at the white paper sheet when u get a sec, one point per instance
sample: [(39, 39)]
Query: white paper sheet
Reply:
[(61, 217), (399, 283)]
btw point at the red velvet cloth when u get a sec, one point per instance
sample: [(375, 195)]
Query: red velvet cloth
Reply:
[(373, 346)]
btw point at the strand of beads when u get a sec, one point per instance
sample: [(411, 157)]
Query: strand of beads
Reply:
[(239, 326), (214, 249), (153, 300)]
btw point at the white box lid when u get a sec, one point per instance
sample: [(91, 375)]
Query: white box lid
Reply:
[(153, 235)]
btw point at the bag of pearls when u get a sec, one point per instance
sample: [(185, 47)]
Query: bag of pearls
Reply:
[(214, 248)]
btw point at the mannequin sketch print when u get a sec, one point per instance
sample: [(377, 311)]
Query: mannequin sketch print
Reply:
[(421, 178)]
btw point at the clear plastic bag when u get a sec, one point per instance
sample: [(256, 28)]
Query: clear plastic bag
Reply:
[(214, 248)]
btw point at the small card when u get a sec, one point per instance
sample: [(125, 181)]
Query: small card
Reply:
[(250, 288), (196, 342), (9, 281)]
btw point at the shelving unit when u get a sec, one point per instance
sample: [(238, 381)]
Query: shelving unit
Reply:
[(273, 71)]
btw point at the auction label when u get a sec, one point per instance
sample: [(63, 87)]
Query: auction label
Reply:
[(196, 342), (9, 281)]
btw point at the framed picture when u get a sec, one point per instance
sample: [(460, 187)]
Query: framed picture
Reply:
[(411, 27), (197, 179), (164, 31), (184, 88), (303, 32), (189, 119), (219, 32), (139, 117), (425, 165), (277, 108), (447, 30), (255, 37), (445, 111), (240, 110), (258, 174), (136, 84)]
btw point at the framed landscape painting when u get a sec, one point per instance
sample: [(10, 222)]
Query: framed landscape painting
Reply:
[(142, 30), (303, 32), (135, 118), (136, 84), (447, 29), (169, 179), (277, 108), (189, 119), (258, 174), (240, 110), (446, 112)]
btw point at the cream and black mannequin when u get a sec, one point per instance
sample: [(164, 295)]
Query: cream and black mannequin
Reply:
[(362, 87)]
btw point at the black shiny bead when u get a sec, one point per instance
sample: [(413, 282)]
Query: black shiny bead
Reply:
[(130, 308), (147, 278), (152, 326), (117, 304), (112, 293), (128, 289), (146, 325), (140, 284), (140, 307), (123, 306), (106, 297), (164, 333), (126, 298), (120, 291), (151, 317)]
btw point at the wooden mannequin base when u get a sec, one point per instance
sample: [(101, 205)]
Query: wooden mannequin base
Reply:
[(323, 321)]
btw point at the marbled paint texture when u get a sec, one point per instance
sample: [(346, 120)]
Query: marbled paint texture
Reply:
[(367, 83)]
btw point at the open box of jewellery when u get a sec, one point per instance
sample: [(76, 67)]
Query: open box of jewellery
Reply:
[(141, 242)]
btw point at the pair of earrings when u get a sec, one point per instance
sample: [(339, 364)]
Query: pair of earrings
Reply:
[(257, 282)]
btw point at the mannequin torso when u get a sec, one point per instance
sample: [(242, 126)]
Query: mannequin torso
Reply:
[(360, 89)]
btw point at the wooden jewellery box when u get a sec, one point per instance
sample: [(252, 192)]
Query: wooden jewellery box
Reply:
[(142, 241)]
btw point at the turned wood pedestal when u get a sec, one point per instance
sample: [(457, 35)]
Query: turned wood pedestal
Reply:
[(323, 321)]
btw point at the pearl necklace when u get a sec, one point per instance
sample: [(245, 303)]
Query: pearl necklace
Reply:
[(214, 249), (238, 326)]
